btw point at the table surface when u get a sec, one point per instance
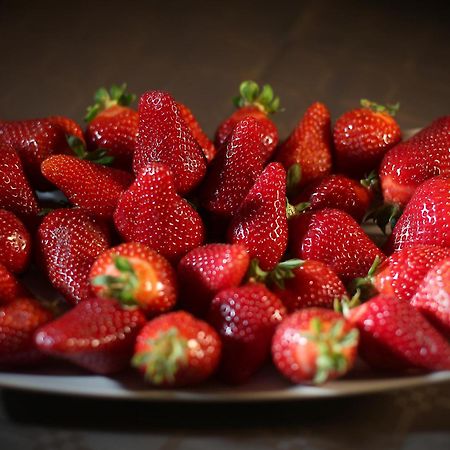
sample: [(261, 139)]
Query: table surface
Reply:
[(54, 56)]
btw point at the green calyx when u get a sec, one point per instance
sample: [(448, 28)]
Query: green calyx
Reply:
[(363, 287), (384, 215), (166, 353), (294, 176), (390, 109), (99, 156), (277, 276), (295, 210), (344, 304), (252, 95), (371, 181), (104, 99)]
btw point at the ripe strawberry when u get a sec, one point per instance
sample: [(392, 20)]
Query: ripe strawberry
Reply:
[(10, 288), (432, 297), (234, 170), (245, 318), (258, 104), (70, 127), (19, 319), (176, 349), (152, 213), (426, 218), (15, 242), (206, 270), (260, 223), (395, 336), (135, 275), (335, 238), (69, 243), (165, 137), (97, 334), (409, 164), (314, 345), (362, 136), (309, 145)]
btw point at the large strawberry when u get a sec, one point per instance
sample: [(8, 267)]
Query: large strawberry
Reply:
[(97, 334), (10, 287), (165, 137), (409, 164), (69, 243), (152, 213), (259, 104), (176, 349)]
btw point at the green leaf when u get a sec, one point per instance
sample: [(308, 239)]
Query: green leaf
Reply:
[(315, 325), (336, 329), (291, 264), (266, 96), (101, 96), (294, 176), (123, 264), (249, 91), (350, 338)]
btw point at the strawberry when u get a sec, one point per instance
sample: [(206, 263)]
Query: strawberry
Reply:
[(362, 136), (10, 287), (69, 243), (409, 164), (152, 213), (15, 242), (176, 349), (165, 137), (426, 218), (395, 336), (245, 317), (97, 334), (309, 145), (259, 104), (135, 275), (206, 270), (234, 170), (314, 345), (260, 223), (19, 319), (335, 238), (70, 127)]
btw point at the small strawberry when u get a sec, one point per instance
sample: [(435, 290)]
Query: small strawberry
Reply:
[(165, 137), (259, 104), (260, 223), (362, 136), (19, 319), (69, 243), (395, 336), (97, 334), (70, 127), (135, 275), (176, 349), (314, 345), (245, 317), (10, 287), (206, 270), (309, 145), (152, 213)]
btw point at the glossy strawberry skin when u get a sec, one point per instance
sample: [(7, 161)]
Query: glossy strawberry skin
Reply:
[(206, 270), (69, 126), (245, 317), (97, 335), (309, 145), (152, 213), (10, 287), (395, 336), (335, 238), (407, 165), (69, 242), (164, 137)]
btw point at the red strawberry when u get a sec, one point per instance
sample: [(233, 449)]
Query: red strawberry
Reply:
[(97, 334), (335, 238), (409, 164), (112, 124), (234, 170), (10, 288), (135, 275), (70, 242), (258, 104), (314, 345), (151, 212), (19, 319), (70, 127), (395, 336), (176, 349), (245, 317), (362, 136), (309, 145), (432, 297), (15, 242), (206, 270), (165, 137), (426, 218)]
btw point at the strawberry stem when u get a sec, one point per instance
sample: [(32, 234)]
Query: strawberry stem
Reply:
[(363, 287), (252, 95), (390, 109), (277, 276)]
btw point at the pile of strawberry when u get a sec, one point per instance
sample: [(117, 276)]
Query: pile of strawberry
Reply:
[(186, 258)]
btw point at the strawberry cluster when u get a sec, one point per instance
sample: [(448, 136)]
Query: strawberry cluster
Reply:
[(187, 257)]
